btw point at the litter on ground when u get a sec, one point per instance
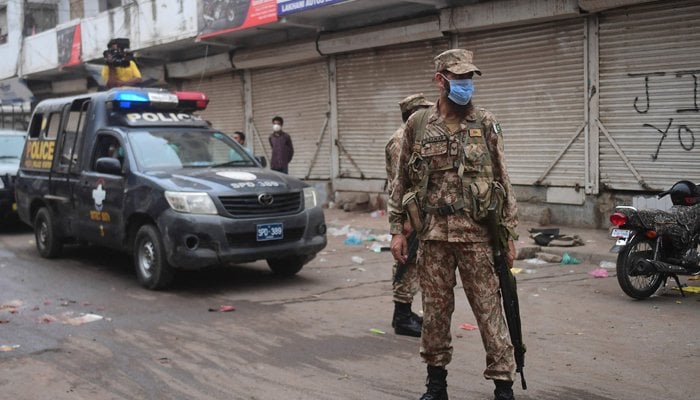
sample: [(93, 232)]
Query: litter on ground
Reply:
[(223, 308), (599, 273), (84, 319)]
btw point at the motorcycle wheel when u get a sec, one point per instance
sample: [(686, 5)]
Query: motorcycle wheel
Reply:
[(637, 286)]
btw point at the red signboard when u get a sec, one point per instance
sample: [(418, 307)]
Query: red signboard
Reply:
[(69, 46)]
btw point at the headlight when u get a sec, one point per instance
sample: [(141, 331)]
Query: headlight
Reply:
[(191, 202), (310, 198)]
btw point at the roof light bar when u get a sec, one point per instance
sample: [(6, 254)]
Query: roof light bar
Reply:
[(196, 100), (130, 98)]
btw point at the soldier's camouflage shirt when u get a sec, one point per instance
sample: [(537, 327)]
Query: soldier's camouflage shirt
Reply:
[(447, 185), (392, 155)]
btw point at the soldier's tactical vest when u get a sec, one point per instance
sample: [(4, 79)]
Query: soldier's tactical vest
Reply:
[(467, 153)]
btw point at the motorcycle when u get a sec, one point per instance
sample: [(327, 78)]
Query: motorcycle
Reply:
[(655, 245)]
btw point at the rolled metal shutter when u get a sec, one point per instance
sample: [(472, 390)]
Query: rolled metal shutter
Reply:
[(300, 95), (649, 53), (533, 81), (225, 110), (370, 84)]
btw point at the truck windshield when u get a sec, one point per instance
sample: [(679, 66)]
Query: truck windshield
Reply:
[(175, 149)]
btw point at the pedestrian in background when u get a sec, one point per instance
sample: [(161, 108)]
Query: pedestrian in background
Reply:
[(282, 148), (404, 276), (451, 152)]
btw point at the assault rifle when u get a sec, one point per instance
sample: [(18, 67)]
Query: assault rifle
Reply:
[(509, 290), (401, 268)]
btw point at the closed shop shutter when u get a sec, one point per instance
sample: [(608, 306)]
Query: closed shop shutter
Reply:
[(225, 110), (649, 113), (300, 95), (533, 81), (370, 85)]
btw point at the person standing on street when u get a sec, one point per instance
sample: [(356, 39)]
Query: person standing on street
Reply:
[(282, 148), (453, 161), (405, 278)]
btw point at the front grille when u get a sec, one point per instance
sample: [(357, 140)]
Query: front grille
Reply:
[(248, 240), (249, 206)]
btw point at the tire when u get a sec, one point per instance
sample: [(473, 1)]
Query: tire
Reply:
[(286, 267), (47, 241), (152, 268), (638, 286)]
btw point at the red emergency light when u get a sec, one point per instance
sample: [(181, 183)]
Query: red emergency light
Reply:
[(196, 100)]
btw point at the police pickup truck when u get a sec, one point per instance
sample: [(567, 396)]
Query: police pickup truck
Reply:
[(137, 170)]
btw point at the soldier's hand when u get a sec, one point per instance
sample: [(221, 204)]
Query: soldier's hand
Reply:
[(510, 256), (399, 248)]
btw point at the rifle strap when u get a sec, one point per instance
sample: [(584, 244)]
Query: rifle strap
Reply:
[(419, 131)]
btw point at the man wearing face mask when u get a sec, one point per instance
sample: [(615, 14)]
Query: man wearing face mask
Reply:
[(454, 158), (282, 148)]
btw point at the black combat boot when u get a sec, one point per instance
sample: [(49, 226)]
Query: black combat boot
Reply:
[(504, 390), (404, 322), (417, 318), (436, 384)]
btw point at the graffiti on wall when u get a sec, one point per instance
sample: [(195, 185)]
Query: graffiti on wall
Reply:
[(676, 127)]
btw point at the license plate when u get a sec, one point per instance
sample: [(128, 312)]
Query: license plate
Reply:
[(265, 232), (622, 235)]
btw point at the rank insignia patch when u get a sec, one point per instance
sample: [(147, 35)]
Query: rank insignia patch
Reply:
[(475, 132), (497, 128)]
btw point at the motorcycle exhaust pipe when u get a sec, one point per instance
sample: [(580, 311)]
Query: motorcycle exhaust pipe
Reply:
[(642, 266)]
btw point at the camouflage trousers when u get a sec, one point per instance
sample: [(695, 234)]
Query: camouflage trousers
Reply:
[(405, 278), (437, 265), (405, 285)]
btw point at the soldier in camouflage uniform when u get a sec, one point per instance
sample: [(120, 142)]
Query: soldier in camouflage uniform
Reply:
[(405, 279), (453, 153)]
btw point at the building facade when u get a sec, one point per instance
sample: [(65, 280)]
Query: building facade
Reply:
[(597, 99)]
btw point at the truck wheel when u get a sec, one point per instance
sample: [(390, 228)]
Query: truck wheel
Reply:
[(47, 241), (287, 266), (152, 268)]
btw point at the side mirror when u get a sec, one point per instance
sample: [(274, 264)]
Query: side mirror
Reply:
[(262, 160), (108, 165)]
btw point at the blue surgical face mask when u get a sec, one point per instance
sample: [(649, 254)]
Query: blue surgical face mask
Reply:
[(460, 90)]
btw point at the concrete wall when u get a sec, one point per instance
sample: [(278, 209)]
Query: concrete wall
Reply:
[(9, 52), (40, 53)]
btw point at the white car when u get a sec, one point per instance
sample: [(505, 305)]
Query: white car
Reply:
[(11, 146)]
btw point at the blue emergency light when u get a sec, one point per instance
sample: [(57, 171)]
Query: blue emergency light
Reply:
[(124, 99)]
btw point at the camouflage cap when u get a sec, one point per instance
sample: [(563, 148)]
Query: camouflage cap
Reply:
[(457, 61), (414, 101)]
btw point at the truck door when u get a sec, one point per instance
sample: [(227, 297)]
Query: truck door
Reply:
[(65, 171), (100, 194)]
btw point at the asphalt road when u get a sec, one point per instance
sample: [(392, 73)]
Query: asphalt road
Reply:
[(309, 337)]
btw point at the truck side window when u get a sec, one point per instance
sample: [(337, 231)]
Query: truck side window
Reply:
[(72, 128), (107, 146), (53, 126), (35, 126)]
